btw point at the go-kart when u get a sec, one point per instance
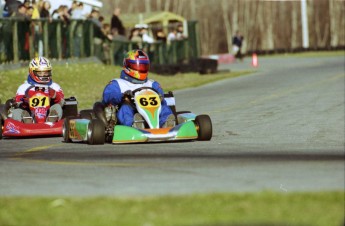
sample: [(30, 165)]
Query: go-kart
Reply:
[(36, 124), (99, 125)]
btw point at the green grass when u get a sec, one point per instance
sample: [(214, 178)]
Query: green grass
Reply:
[(264, 208), (87, 81)]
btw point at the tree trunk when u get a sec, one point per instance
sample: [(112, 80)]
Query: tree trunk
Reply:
[(294, 24), (226, 20), (333, 11), (148, 6)]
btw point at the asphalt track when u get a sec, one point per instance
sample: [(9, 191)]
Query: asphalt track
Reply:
[(279, 129)]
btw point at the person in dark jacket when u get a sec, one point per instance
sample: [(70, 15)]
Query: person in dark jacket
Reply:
[(116, 23), (237, 45)]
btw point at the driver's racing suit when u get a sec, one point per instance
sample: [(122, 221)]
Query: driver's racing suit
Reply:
[(27, 89)]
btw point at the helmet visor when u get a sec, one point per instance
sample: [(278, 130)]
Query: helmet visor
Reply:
[(142, 66), (44, 76)]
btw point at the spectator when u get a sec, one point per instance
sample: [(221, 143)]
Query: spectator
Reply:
[(27, 4), (77, 29), (180, 34), (136, 38), (161, 36), (107, 36), (37, 29), (29, 12), (21, 12), (36, 10), (11, 7), (23, 30), (73, 7), (237, 44), (98, 34), (44, 13), (116, 23), (77, 13), (172, 35), (145, 36)]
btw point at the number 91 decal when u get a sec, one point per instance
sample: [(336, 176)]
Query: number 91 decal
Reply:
[(39, 101)]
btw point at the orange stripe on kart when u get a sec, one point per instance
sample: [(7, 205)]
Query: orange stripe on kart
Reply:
[(159, 131)]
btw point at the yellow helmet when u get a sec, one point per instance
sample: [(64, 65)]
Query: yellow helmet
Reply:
[(40, 70)]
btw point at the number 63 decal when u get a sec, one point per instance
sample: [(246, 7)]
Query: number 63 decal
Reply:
[(151, 101), (148, 101)]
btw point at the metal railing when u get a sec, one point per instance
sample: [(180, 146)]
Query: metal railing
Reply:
[(21, 40)]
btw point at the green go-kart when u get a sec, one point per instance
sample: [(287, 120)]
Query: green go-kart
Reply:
[(99, 125)]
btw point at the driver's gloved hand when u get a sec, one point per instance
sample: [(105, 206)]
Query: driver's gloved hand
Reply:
[(127, 96), (128, 93)]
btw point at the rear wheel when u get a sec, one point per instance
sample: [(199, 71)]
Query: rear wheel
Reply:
[(204, 127), (96, 132)]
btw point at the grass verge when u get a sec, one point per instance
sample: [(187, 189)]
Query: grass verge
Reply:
[(264, 208), (87, 81)]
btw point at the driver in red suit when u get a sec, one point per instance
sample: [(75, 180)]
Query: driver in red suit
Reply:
[(40, 77)]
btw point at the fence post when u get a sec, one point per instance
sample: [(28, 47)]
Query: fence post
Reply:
[(91, 33), (58, 39), (15, 42), (70, 38), (111, 53), (45, 38), (31, 41), (82, 40)]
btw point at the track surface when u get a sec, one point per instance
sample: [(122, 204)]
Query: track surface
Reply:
[(280, 129)]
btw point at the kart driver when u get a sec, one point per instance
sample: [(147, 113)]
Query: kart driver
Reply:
[(40, 77), (136, 65)]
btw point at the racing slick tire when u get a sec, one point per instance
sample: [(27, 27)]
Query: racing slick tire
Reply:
[(66, 129), (204, 127), (87, 114), (96, 132)]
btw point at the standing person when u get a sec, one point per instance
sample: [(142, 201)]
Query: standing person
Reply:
[(172, 36), (116, 23), (44, 13), (136, 38), (77, 29), (134, 75), (36, 27), (237, 44), (40, 73), (23, 29), (73, 7), (11, 7)]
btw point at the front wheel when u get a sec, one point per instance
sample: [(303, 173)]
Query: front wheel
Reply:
[(96, 132), (66, 129), (204, 127)]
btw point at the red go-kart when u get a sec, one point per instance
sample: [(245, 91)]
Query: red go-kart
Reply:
[(36, 124)]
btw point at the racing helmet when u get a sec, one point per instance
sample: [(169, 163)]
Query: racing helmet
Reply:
[(136, 64), (40, 70)]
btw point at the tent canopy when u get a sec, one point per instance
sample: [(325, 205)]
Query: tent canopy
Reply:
[(159, 17)]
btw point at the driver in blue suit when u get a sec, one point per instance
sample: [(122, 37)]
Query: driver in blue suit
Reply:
[(136, 65)]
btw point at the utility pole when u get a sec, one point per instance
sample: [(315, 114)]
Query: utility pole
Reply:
[(305, 29)]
